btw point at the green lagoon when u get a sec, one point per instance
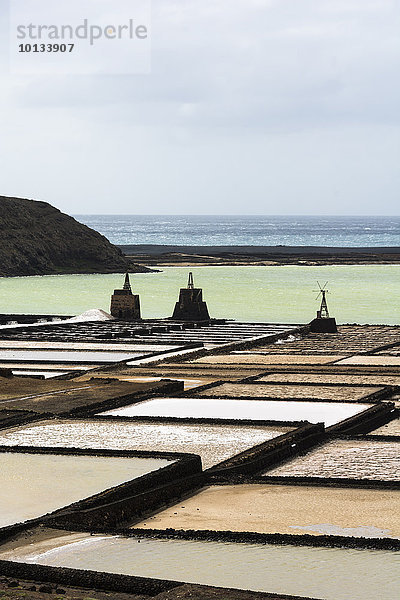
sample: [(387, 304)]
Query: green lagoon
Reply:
[(359, 293)]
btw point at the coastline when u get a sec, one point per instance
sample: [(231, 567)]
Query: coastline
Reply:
[(153, 255)]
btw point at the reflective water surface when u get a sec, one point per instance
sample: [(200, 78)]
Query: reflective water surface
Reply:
[(34, 484), (259, 410), (67, 356), (327, 573)]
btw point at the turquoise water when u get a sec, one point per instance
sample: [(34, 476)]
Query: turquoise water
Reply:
[(359, 293)]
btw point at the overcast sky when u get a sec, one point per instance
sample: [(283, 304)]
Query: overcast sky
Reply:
[(252, 107)]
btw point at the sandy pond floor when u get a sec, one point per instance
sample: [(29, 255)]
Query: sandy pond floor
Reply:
[(286, 509)]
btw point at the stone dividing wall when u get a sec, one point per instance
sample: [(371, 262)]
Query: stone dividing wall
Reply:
[(24, 318), (173, 456), (368, 438), (270, 453), (246, 537), (377, 396), (366, 421), (329, 369), (12, 530), (277, 371), (388, 389), (87, 579), (192, 420), (111, 582), (374, 484), (201, 388), (132, 499), (186, 466), (381, 348), (123, 501), (13, 418), (130, 509)]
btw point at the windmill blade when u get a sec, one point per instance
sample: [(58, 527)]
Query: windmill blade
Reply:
[(319, 294)]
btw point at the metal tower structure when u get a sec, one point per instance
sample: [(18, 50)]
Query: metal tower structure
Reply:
[(127, 283), (323, 312), (323, 323)]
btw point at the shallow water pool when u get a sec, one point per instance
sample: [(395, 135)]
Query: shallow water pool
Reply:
[(34, 484), (327, 573), (258, 410)]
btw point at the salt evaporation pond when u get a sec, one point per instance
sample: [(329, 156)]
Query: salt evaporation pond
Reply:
[(323, 378), (392, 428), (287, 509), (282, 391), (371, 361), (35, 484), (328, 573), (354, 459), (252, 357), (213, 443), (257, 410), (66, 356)]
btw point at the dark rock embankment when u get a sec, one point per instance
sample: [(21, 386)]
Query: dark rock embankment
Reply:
[(38, 239), (164, 255), (17, 589)]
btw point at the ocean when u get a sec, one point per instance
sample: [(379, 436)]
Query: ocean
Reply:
[(256, 230)]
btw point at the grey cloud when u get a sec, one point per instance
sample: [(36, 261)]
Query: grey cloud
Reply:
[(235, 84)]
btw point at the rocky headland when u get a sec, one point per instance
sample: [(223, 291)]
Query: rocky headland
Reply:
[(38, 239)]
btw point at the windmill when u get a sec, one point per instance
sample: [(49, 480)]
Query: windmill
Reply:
[(323, 312), (324, 323)]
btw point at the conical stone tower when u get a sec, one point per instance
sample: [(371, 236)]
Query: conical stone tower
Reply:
[(124, 304), (190, 306)]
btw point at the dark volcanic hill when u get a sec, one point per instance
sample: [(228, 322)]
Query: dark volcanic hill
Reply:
[(38, 239)]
